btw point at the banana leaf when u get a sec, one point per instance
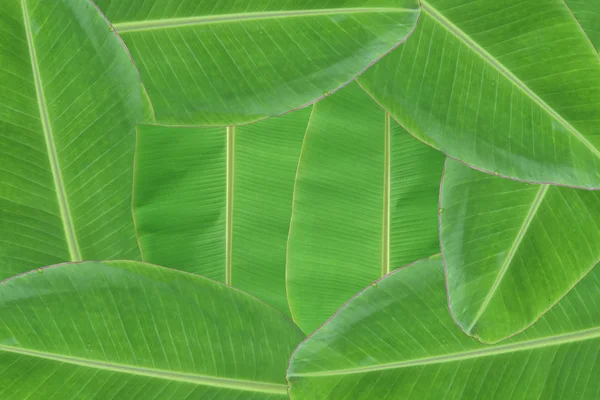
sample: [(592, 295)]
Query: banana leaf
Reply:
[(365, 203), (587, 13), (218, 201), (129, 330), (231, 62), (396, 340), (69, 101), (508, 87), (511, 249)]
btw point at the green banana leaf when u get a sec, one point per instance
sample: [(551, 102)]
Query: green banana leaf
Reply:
[(587, 13), (218, 201), (69, 101), (510, 87), (365, 202), (231, 62), (396, 340), (511, 249), (129, 330)]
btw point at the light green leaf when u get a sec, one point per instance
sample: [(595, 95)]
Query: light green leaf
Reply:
[(129, 330), (69, 101), (231, 62), (218, 201), (510, 87), (396, 340), (587, 13), (365, 202), (512, 250)]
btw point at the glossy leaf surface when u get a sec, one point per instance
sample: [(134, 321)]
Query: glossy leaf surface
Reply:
[(218, 201), (509, 87), (587, 13), (396, 340), (512, 250), (365, 202), (229, 62), (69, 101), (129, 330)]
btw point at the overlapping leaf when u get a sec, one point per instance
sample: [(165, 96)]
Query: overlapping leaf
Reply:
[(365, 202), (69, 100), (228, 62), (512, 250), (510, 87), (129, 330), (587, 13), (218, 201), (396, 340)]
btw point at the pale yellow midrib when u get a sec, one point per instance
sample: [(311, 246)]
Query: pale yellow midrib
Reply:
[(462, 36), (123, 27), (61, 194), (226, 383), (571, 337), (385, 265), (533, 209), (230, 168)]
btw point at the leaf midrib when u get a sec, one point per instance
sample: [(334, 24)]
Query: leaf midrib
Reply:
[(571, 337), (487, 57), (123, 27), (226, 383), (230, 173), (531, 213), (61, 193), (385, 264)]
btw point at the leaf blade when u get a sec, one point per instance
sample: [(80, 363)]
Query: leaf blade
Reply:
[(422, 354), (364, 202), (99, 335), (222, 196), (485, 100), (69, 109), (231, 63), (504, 239)]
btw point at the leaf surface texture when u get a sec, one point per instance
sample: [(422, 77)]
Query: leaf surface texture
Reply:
[(365, 203), (509, 87), (69, 101), (129, 330)]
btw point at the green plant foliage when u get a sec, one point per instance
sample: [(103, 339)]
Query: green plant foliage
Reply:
[(510, 87), (276, 157), (69, 101), (396, 340), (218, 201), (512, 250), (365, 202), (129, 330), (230, 62), (587, 13)]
